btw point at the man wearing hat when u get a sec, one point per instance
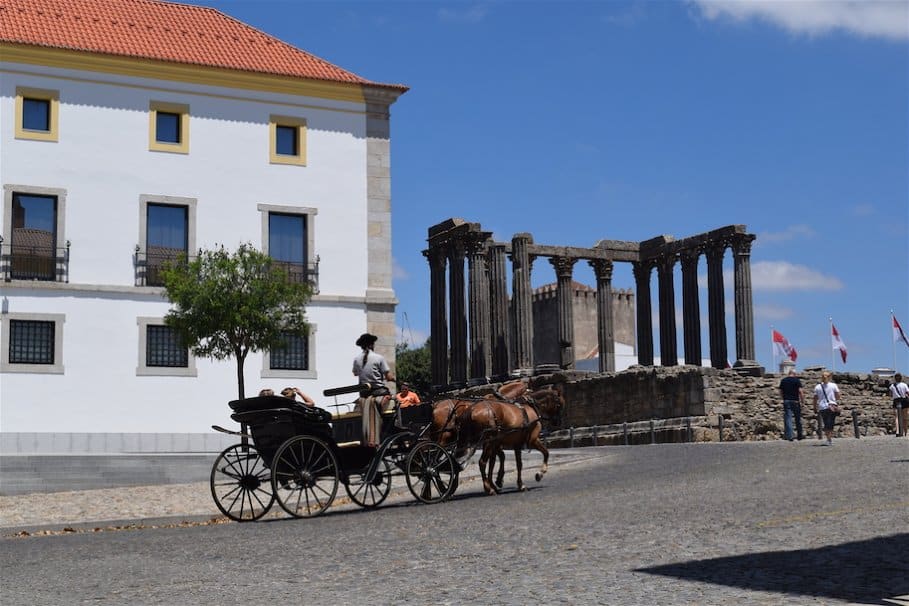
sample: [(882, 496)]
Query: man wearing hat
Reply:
[(372, 371)]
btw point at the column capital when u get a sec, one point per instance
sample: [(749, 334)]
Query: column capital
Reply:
[(741, 244), (715, 251), (666, 262), (457, 250), (437, 256), (602, 268), (688, 257), (563, 266), (641, 269)]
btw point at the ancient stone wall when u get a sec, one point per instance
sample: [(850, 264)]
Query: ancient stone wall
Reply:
[(686, 403)]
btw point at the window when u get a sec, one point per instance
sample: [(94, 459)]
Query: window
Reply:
[(163, 348), (37, 112), (287, 140), (168, 128), (287, 244), (167, 233), (288, 239), (32, 343), (32, 233), (294, 359), (293, 354), (160, 351)]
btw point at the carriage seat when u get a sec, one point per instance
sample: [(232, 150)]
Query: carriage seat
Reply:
[(264, 403)]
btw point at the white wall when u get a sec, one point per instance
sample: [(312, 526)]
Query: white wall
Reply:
[(103, 162)]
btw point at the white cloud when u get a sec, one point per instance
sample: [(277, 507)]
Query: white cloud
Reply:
[(783, 276), (872, 18), (471, 14), (413, 338), (771, 312), (397, 271), (863, 210), (792, 232)]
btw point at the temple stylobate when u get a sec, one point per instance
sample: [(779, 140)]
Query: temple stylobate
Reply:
[(481, 334)]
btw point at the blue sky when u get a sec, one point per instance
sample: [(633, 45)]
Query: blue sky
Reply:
[(579, 121)]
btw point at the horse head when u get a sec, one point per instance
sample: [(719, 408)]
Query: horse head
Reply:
[(549, 402)]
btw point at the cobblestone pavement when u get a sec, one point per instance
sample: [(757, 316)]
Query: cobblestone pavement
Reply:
[(742, 523)]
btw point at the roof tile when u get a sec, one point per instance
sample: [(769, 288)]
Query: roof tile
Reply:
[(163, 31)]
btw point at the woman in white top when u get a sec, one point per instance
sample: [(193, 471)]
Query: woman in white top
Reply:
[(826, 395), (899, 391)]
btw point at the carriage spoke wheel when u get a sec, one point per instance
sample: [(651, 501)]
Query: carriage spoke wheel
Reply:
[(304, 476), (370, 494), (240, 484), (432, 473)]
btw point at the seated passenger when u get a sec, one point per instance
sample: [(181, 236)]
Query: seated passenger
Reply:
[(293, 392), (266, 392), (406, 397)]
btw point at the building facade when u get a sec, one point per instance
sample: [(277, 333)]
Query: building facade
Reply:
[(132, 131)]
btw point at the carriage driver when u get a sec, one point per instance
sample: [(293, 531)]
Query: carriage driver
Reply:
[(371, 370)]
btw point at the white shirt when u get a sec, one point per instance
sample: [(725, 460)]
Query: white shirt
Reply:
[(899, 390), (826, 394)]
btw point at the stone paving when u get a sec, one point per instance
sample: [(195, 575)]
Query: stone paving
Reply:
[(736, 523)]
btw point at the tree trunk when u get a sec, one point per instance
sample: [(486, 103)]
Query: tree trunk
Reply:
[(241, 359)]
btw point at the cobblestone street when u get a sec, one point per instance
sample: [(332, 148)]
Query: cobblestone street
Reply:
[(733, 523)]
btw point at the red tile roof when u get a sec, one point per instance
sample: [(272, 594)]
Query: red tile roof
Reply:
[(163, 31)]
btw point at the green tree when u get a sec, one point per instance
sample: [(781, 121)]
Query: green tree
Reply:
[(226, 305), (414, 366)]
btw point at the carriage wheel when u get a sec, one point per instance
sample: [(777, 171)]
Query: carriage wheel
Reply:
[(240, 484), (304, 476), (370, 494), (432, 473)]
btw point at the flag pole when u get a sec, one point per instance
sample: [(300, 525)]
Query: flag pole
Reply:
[(773, 349), (892, 340), (832, 356)]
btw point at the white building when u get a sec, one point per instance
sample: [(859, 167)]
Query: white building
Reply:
[(134, 129)]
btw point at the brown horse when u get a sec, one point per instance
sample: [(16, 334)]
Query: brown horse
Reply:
[(445, 415), (498, 425)]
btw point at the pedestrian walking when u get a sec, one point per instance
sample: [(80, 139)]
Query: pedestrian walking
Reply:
[(826, 397), (793, 398), (899, 391)]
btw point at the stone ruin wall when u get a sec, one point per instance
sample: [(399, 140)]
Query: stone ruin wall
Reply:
[(676, 396)]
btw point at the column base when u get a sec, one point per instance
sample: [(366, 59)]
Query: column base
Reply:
[(748, 367)]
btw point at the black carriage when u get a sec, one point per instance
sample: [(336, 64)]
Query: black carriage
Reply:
[(299, 455)]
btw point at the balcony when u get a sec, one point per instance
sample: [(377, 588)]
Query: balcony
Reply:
[(34, 262), (149, 267)]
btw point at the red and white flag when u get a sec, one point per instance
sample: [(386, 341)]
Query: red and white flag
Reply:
[(783, 348), (838, 343), (898, 334)]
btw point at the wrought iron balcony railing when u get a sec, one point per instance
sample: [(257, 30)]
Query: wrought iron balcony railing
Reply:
[(44, 263)]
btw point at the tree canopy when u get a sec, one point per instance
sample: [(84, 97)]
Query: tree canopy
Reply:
[(228, 304), (413, 366)]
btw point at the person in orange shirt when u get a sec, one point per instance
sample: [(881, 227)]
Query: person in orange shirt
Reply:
[(406, 397)]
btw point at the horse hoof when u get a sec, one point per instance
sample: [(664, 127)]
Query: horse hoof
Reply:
[(539, 477)]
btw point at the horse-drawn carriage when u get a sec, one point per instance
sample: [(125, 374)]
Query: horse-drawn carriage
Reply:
[(299, 455)]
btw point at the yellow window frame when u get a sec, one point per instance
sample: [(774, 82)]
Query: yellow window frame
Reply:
[(53, 97), (298, 159), (171, 108)]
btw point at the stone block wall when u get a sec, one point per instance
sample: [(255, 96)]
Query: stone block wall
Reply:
[(687, 402)]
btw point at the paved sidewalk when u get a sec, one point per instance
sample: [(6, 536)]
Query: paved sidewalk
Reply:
[(169, 504)]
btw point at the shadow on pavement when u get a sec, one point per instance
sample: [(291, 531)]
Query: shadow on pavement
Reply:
[(864, 572)]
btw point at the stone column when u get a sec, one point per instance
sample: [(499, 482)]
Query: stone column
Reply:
[(498, 321), (716, 302), (565, 300), (522, 303), (744, 315), (645, 323), (691, 307), (478, 306), (457, 318), (669, 355), (438, 324), (605, 331)]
